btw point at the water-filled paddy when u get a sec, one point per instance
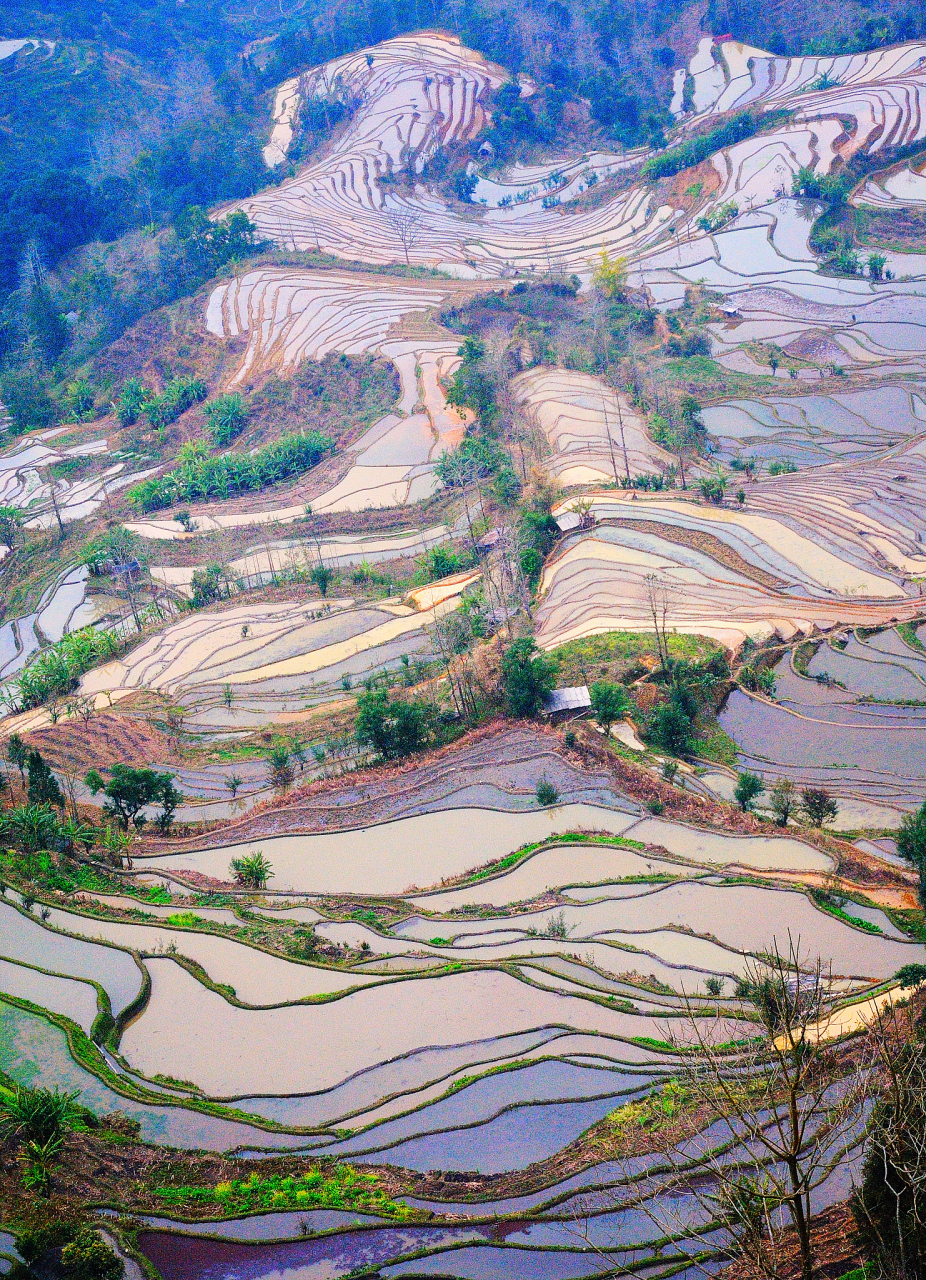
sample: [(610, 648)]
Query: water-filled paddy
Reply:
[(76, 1000), (256, 977), (34, 1052), (395, 856), (25, 939), (227, 1051)]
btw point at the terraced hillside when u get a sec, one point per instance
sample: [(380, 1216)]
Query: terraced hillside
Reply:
[(361, 966)]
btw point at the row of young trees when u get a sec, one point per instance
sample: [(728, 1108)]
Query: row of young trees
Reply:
[(201, 476)]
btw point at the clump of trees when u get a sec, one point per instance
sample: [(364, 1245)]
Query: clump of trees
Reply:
[(57, 669), (200, 476), (394, 728), (129, 791), (692, 152), (527, 677)]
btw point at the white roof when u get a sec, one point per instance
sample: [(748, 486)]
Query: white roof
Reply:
[(575, 699)]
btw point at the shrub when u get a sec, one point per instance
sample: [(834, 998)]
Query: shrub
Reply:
[(911, 845), (131, 402), (57, 670), (227, 416), (610, 702), (546, 793), (252, 871), (749, 786), (670, 727), (89, 1257), (321, 576), (692, 152), (393, 729), (179, 395), (818, 806), (783, 800), (37, 1115)]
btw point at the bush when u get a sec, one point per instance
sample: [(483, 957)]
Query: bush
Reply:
[(37, 1115), (131, 402), (818, 806), (670, 727), (610, 702), (911, 845), (393, 729), (179, 395), (546, 793), (749, 786), (252, 871), (690, 153), (89, 1257), (227, 416)]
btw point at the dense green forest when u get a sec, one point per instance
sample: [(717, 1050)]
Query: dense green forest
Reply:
[(131, 115)]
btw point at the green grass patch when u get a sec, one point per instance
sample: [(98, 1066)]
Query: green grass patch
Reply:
[(822, 900), (713, 744), (340, 1187), (608, 655), (567, 837)]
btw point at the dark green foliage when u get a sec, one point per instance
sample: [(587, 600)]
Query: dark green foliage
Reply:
[(321, 576), (749, 786), (818, 806), (208, 585), (610, 702), (131, 402), (911, 845), (464, 184), (89, 1257), (11, 522), (201, 476), (697, 149), (36, 1115), (911, 975), (57, 669), (27, 401), (227, 416), (472, 387), (393, 729), (131, 790), (441, 562), (32, 827), (203, 246), (43, 785), (546, 793), (670, 728), (831, 187), (513, 122), (179, 395), (252, 870), (527, 675)]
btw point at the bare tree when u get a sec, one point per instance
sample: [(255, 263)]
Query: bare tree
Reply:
[(407, 226), (659, 594), (890, 1206), (788, 1112)]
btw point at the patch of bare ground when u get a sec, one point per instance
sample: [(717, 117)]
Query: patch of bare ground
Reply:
[(109, 738), (698, 540)]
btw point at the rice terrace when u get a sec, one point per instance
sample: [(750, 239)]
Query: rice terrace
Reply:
[(463, 640)]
